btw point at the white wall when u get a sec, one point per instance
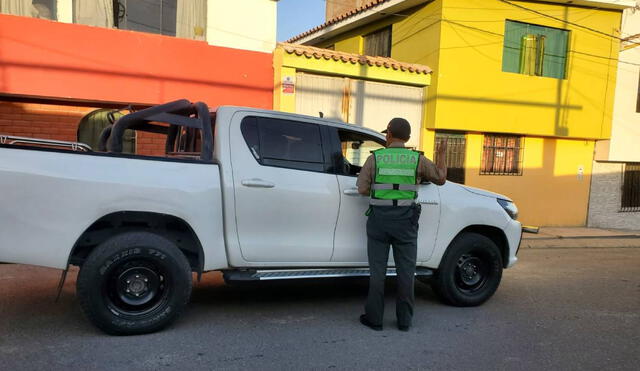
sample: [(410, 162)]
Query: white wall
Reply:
[(65, 11), (625, 130), (242, 24), (606, 197)]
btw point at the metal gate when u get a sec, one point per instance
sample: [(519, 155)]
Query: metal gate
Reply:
[(456, 152), (631, 187)]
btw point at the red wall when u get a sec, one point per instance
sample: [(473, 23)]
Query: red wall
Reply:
[(66, 61)]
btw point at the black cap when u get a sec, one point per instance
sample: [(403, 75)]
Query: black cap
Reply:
[(399, 128)]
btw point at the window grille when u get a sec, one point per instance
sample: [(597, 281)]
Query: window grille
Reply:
[(631, 187), (502, 155), (456, 151)]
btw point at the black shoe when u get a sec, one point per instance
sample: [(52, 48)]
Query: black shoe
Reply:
[(403, 328), (365, 321)]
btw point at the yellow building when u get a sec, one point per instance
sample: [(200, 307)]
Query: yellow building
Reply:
[(521, 89)]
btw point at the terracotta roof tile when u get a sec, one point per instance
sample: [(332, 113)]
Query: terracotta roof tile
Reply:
[(318, 53), (341, 17)]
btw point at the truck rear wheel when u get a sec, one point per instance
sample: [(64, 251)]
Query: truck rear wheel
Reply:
[(470, 271), (134, 283)]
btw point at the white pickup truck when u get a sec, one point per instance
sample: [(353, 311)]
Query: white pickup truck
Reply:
[(255, 194)]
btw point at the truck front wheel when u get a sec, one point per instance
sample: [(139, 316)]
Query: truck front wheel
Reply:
[(470, 271), (134, 283)]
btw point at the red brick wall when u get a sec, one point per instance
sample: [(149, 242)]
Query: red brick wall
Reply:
[(150, 144), (60, 122), (45, 121)]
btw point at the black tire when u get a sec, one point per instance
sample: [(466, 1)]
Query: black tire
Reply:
[(134, 283), (470, 271)]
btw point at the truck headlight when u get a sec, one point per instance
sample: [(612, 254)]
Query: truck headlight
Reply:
[(509, 207)]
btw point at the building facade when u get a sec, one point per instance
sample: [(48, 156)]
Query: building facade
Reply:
[(246, 24), (521, 90), (59, 79), (615, 186)]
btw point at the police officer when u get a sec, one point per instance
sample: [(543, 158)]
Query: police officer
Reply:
[(390, 176)]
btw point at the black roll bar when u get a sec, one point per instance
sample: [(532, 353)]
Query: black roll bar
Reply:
[(176, 113)]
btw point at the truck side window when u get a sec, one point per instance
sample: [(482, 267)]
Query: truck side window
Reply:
[(290, 144), (249, 128), (356, 148), (284, 143)]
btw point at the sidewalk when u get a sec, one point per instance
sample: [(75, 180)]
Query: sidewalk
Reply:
[(572, 237)]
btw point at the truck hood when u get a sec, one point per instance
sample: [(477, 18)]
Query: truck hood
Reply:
[(482, 192)]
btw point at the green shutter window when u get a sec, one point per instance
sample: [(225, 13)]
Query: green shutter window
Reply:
[(514, 31), (534, 50)]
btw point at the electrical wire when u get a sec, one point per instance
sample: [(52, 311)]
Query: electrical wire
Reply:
[(456, 22), (562, 20), (523, 8)]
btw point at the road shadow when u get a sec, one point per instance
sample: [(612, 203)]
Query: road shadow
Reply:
[(212, 290)]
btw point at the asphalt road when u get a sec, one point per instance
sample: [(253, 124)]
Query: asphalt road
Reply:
[(569, 309)]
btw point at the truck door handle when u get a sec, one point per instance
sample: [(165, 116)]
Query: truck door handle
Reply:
[(351, 192), (257, 183)]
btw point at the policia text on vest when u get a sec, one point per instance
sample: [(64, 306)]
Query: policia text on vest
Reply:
[(395, 177)]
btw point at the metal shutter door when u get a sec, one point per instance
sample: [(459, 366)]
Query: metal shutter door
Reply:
[(373, 104), (315, 94)]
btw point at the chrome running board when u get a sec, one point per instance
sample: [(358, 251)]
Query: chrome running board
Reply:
[(290, 274)]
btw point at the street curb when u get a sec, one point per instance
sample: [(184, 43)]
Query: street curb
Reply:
[(624, 236), (580, 243)]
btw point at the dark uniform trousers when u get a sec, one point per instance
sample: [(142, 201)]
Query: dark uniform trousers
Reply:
[(396, 227)]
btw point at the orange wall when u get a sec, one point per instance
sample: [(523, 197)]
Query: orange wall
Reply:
[(67, 61)]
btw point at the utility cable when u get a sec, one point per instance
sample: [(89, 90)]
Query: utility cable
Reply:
[(526, 9), (562, 20)]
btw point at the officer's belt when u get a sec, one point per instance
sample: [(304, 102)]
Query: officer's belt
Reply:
[(379, 202), (398, 187)]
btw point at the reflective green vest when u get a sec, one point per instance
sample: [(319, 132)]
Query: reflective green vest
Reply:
[(395, 177)]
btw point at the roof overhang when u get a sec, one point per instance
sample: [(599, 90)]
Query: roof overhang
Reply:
[(601, 4), (360, 19), (382, 10), (329, 62)]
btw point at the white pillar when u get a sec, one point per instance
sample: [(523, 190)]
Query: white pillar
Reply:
[(246, 24), (65, 11)]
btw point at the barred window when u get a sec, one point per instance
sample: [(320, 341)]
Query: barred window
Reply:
[(502, 155), (456, 153), (631, 187), (378, 43)]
